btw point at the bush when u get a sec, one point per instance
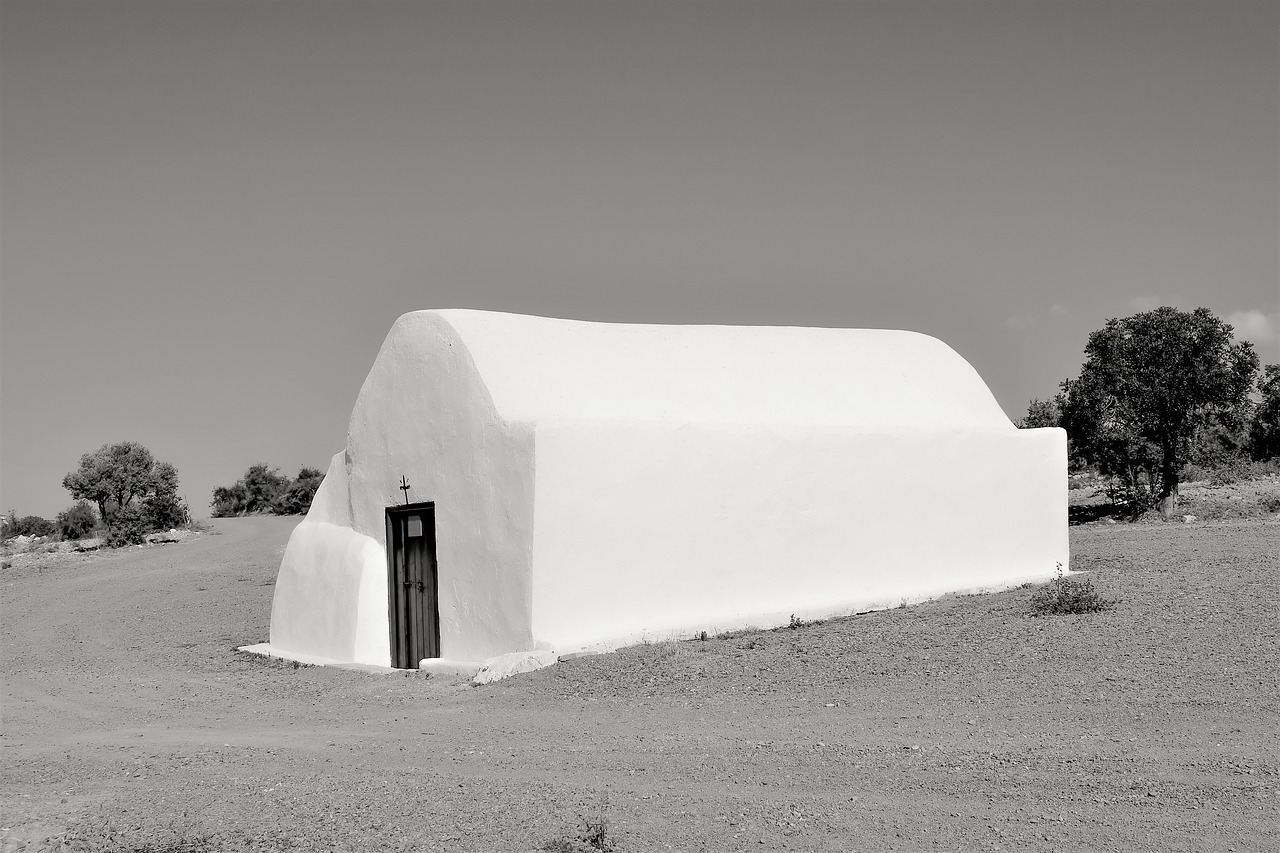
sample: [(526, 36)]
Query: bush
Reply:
[(297, 498), (29, 525), (126, 527), (1132, 495), (77, 521), (258, 491), (164, 511), (264, 490), (1063, 596)]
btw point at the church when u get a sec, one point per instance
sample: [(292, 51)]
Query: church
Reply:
[(514, 483)]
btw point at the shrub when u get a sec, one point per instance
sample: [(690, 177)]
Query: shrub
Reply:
[(1132, 495), (126, 527), (77, 521), (28, 525), (297, 498), (264, 490), (1064, 596), (229, 501), (164, 511), (256, 492)]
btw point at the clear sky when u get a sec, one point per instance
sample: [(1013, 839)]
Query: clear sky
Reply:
[(212, 212)]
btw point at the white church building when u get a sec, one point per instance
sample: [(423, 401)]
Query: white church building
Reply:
[(513, 483)]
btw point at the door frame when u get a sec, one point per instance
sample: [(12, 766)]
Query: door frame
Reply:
[(400, 635)]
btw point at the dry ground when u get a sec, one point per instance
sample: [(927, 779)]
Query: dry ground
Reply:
[(130, 723)]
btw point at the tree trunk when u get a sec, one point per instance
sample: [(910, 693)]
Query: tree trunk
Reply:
[(1168, 478)]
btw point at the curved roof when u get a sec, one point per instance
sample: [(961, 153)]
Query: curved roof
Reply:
[(538, 369)]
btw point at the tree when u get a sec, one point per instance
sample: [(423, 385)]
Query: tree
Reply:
[(115, 473), (1264, 430), (163, 509), (296, 500), (1042, 413), (118, 476), (1148, 383), (258, 491), (264, 489), (263, 486)]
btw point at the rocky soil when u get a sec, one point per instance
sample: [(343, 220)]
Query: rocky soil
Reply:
[(130, 723)]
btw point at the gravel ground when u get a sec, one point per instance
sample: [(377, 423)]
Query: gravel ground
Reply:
[(131, 723)]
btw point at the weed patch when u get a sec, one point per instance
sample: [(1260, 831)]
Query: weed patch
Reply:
[(101, 835), (1062, 596), (268, 661), (592, 836)]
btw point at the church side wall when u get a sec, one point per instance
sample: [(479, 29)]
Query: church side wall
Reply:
[(653, 531)]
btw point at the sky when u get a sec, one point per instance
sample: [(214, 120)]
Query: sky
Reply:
[(212, 211)]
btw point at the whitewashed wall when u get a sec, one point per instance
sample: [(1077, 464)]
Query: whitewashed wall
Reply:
[(649, 532)]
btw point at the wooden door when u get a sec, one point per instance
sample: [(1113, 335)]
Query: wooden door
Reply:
[(412, 584)]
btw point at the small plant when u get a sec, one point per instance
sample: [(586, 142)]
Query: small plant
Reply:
[(196, 525), (796, 623), (592, 836), (1063, 596)]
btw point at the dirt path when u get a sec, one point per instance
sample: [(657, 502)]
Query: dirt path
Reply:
[(955, 725)]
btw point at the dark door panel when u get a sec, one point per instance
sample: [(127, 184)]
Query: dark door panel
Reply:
[(412, 584)]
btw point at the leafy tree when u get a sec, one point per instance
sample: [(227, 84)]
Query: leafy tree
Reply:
[(229, 500), (1221, 439), (1149, 382), (1264, 431), (130, 488), (1095, 440), (296, 500), (114, 474), (163, 509), (263, 485), (264, 489), (1042, 413)]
